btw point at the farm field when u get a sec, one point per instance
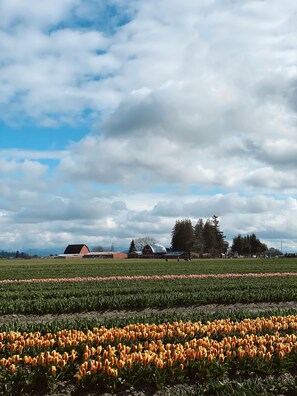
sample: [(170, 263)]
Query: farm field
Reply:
[(151, 332), (55, 268)]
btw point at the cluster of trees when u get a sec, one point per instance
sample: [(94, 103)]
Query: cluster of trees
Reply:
[(207, 238), (17, 254), (99, 248), (203, 238), (248, 245), (139, 243)]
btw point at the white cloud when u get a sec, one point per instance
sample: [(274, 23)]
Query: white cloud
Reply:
[(34, 12), (179, 96), (105, 221)]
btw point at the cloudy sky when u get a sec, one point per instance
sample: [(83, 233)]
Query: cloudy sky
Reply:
[(119, 117)]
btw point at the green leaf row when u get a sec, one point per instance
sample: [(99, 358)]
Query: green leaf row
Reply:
[(75, 297), (53, 268)]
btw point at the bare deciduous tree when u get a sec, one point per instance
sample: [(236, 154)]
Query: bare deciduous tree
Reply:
[(141, 242)]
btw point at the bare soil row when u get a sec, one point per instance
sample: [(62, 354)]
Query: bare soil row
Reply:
[(210, 308)]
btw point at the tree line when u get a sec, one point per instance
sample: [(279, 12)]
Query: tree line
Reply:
[(248, 245), (17, 254), (205, 238)]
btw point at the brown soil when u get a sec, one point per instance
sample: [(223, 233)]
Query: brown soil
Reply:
[(211, 308)]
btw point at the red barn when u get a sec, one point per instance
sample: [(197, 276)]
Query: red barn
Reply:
[(77, 249)]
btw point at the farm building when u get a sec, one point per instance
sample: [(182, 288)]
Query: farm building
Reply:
[(176, 255), (136, 254), (153, 250), (111, 255), (75, 251), (82, 251), (157, 251)]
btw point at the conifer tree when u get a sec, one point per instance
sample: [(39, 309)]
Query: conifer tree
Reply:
[(132, 248), (209, 238), (221, 245), (182, 235), (247, 245), (204, 238), (198, 243)]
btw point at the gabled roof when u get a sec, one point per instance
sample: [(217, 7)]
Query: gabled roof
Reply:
[(75, 249)]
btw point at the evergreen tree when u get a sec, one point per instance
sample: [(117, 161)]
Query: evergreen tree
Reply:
[(221, 245), (182, 235), (204, 238), (213, 238), (248, 245), (210, 239), (237, 245), (132, 248), (198, 243)]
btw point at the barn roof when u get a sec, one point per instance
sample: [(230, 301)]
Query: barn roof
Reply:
[(75, 249), (156, 248)]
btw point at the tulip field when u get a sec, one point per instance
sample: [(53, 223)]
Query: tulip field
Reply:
[(133, 344), (41, 296)]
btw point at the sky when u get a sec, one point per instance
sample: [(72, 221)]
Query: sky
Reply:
[(119, 117)]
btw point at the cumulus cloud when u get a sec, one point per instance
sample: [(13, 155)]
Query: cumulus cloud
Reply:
[(200, 94), (34, 12), (180, 97), (63, 209)]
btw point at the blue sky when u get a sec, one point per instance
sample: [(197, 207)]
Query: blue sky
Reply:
[(118, 118), (42, 138)]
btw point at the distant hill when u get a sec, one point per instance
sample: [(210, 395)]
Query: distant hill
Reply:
[(45, 251)]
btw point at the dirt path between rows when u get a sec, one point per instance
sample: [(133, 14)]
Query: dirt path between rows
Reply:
[(211, 308)]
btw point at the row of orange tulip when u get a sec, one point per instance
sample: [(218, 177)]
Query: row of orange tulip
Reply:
[(17, 341), (161, 355), (116, 352), (111, 362)]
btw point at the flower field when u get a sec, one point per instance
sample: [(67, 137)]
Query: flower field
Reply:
[(150, 277), (50, 268), (72, 296), (119, 357), (223, 352)]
